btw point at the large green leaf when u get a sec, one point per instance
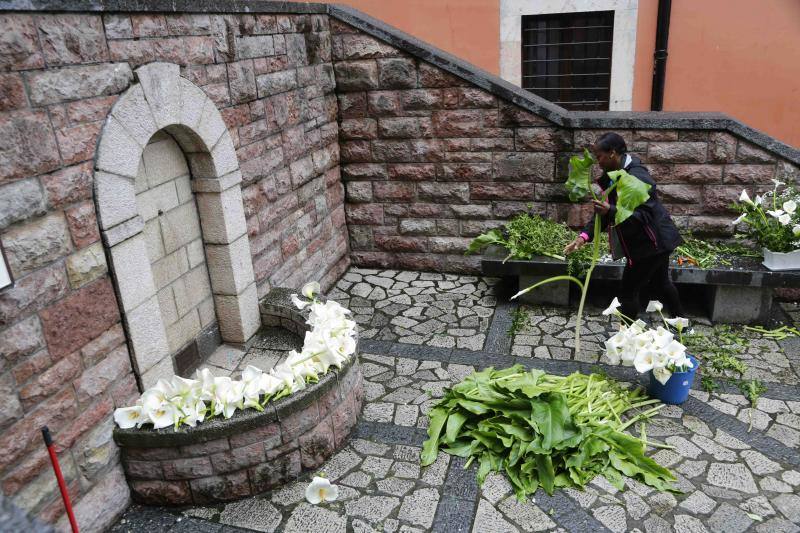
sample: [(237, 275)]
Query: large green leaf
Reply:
[(552, 418), (494, 236), (430, 448), (580, 176), (631, 193)]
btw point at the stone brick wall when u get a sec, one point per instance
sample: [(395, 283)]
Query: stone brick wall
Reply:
[(430, 160), (64, 361)]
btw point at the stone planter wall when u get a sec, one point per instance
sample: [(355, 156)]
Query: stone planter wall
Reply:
[(247, 454), (251, 452)]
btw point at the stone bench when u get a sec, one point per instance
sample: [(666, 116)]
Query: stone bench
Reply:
[(741, 294), (251, 452)]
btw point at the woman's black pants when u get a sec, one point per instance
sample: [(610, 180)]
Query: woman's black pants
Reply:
[(649, 277)]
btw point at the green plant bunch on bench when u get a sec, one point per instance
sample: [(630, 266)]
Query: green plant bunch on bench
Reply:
[(526, 236)]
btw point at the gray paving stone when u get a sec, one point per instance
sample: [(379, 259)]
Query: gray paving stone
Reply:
[(688, 524), (495, 487), (732, 476), (789, 505), (758, 505), (729, 519), (656, 524), (613, 517), (698, 503), (357, 479), (434, 474), (526, 514), (792, 477), (377, 466), (489, 520), (777, 525), (307, 517), (759, 464), (372, 508), (770, 484), (395, 486), (419, 507), (252, 513)]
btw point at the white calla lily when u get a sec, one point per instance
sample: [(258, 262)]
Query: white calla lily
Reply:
[(678, 322), (654, 305), (645, 360), (164, 415), (321, 490), (741, 217), (612, 308), (785, 219), (128, 417), (310, 289), (662, 374), (790, 206), (744, 197), (775, 213)]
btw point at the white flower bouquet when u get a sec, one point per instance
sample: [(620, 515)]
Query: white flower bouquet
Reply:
[(772, 219), (181, 401), (647, 349)]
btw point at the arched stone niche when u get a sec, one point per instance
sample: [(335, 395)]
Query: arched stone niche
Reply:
[(163, 100)]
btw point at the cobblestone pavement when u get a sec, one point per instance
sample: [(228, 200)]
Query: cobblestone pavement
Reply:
[(443, 310), (271, 347), (730, 479)]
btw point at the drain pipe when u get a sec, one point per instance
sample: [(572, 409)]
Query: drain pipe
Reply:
[(660, 66)]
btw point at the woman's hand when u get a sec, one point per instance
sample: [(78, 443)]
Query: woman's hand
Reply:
[(601, 207), (575, 245)]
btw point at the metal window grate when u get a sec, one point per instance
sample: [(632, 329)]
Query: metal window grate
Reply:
[(566, 58)]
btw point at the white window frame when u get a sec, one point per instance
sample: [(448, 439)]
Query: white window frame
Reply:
[(623, 51)]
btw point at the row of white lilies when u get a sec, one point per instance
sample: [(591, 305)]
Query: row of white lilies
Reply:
[(181, 401)]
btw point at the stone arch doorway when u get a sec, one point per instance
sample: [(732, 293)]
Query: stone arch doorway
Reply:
[(166, 112)]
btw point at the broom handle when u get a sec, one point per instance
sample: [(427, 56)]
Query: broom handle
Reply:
[(62, 486)]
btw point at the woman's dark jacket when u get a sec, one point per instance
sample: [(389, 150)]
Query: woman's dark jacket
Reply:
[(649, 230)]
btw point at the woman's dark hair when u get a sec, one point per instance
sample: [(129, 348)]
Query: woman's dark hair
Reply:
[(611, 141)]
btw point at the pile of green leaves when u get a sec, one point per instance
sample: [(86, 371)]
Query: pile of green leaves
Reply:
[(710, 254), (526, 236), (543, 430), (719, 353)]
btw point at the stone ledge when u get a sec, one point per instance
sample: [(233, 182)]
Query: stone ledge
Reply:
[(755, 275)]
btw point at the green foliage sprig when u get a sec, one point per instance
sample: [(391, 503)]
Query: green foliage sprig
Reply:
[(720, 353)]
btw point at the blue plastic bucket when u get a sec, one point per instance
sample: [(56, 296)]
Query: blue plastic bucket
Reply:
[(676, 389)]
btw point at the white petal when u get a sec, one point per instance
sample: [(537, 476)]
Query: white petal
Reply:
[(662, 375), (300, 304), (654, 305), (310, 289), (332, 494)]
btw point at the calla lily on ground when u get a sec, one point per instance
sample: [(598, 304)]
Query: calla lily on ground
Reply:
[(321, 490)]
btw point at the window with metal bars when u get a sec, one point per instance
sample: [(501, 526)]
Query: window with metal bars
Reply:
[(566, 58)]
